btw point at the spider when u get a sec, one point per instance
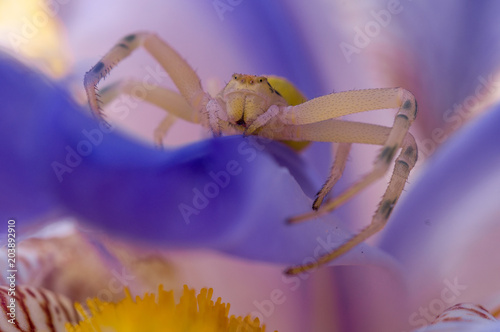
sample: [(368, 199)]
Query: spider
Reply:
[(272, 107)]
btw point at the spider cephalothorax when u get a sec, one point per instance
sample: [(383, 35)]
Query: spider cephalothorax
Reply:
[(245, 97)]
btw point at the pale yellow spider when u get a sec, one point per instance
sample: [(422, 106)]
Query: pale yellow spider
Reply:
[(252, 105)]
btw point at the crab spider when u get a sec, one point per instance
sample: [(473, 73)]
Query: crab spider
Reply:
[(272, 107)]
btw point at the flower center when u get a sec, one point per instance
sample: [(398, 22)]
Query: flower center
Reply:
[(160, 313)]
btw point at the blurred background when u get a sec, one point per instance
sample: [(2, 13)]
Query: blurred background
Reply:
[(320, 46)]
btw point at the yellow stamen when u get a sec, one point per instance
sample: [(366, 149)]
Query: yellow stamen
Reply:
[(193, 313), (496, 312)]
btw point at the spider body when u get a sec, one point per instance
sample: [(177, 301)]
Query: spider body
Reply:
[(246, 97), (272, 107)]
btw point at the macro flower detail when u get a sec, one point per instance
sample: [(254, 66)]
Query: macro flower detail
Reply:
[(466, 312), (150, 313), (436, 250), (463, 317), (34, 309)]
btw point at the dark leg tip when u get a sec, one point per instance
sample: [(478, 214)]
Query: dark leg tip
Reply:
[(129, 38), (316, 204), (98, 67)]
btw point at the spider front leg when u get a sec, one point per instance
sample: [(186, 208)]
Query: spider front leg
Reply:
[(311, 125), (335, 173), (404, 163), (263, 119), (183, 76), (163, 128), (172, 102), (404, 118)]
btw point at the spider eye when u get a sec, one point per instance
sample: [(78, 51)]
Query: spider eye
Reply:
[(261, 80), (235, 77)]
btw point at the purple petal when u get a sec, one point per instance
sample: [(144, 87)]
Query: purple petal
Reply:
[(446, 228), (449, 62), (253, 37)]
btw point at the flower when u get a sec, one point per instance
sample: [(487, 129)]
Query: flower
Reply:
[(128, 189)]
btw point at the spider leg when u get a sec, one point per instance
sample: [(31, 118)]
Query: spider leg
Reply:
[(183, 76), (262, 119), (310, 123), (404, 117), (404, 163), (335, 173), (172, 102), (163, 128), (338, 104)]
